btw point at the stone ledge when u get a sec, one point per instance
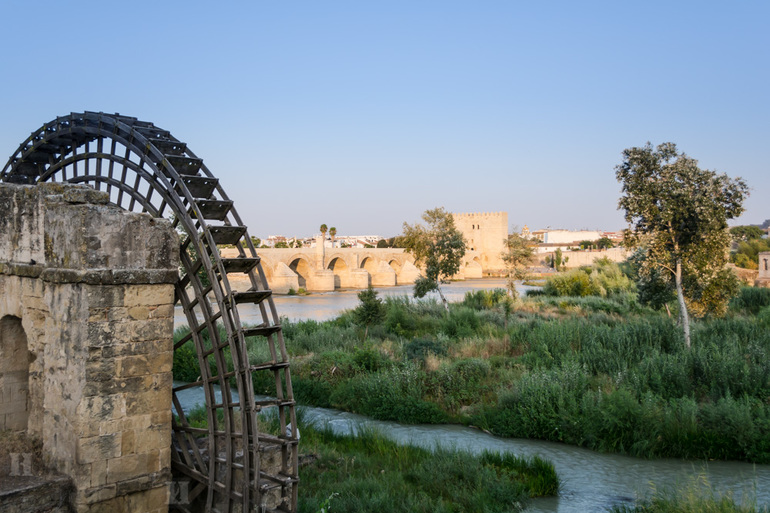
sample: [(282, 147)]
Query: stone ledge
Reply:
[(92, 276), (46, 494), (110, 276), (23, 270)]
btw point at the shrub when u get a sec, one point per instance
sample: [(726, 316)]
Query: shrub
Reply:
[(751, 300), (484, 299), (419, 348)]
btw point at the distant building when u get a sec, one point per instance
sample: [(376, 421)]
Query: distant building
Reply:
[(485, 235), (573, 237), (350, 241), (550, 240)]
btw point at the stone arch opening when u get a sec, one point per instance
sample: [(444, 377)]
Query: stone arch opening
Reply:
[(15, 359), (302, 268), (370, 266), (396, 265), (340, 270)]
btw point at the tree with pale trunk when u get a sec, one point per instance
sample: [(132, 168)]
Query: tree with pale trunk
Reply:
[(517, 256), (438, 246), (678, 216)]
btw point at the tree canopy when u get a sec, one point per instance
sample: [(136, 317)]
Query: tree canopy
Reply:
[(678, 214), (438, 246), (747, 232)]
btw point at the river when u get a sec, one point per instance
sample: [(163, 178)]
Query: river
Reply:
[(322, 306), (591, 481)]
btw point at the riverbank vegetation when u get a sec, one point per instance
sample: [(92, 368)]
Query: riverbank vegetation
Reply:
[(367, 472), (601, 372), (696, 496)]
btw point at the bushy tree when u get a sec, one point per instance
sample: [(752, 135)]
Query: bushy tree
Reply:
[(678, 213), (517, 257), (747, 254), (370, 311), (438, 246), (746, 232)]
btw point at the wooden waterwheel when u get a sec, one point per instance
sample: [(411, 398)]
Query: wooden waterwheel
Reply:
[(144, 168)]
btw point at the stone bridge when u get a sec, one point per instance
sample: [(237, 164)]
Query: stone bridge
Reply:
[(322, 269)]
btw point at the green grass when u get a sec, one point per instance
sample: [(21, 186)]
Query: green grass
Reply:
[(695, 497), (368, 472)]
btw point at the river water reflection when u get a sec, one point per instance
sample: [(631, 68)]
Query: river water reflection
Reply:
[(591, 481)]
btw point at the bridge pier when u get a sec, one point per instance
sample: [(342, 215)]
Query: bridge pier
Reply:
[(384, 276), (320, 281)]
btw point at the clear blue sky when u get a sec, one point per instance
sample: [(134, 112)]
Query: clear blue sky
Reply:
[(363, 114)]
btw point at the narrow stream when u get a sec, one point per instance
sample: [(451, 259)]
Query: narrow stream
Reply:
[(591, 481)]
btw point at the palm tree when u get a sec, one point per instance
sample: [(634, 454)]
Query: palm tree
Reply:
[(324, 229), (332, 233)]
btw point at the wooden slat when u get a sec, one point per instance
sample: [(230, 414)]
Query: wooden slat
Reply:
[(185, 165), (215, 210), (169, 147), (260, 330), (227, 234), (239, 265), (251, 296), (200, 186)]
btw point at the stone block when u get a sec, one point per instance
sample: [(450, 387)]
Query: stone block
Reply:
[(102, 447), (151, 329), (100, 369), (162, 312), (148, 402), (94, 495), (155, 499), (144, 295), (136, 423), (95, 409), (99, 473), (105, 296), (132, 466), (129, 442), (146, 347)]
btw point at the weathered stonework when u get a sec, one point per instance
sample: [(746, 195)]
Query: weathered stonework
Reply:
[(763, 278), (86, 322)]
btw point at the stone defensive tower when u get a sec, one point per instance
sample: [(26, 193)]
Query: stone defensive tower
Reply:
[(485, 235)]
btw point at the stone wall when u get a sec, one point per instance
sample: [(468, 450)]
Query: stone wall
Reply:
[(89, 288), (763, 278)]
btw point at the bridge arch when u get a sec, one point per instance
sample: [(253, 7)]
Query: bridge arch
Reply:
[(300, 265), (341, 271), (144, 168)]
